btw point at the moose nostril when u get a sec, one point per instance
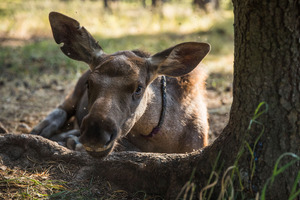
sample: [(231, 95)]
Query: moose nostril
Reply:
[(100, 139), (97, 135), (110, 140)]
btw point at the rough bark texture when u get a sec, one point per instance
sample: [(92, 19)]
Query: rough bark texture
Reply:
[(132, 171), (154, 173), (267, 68)]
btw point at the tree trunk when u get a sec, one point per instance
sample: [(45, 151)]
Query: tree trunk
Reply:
[(217, 4), (201, 4), (154, 3), (105, 3), (144, 3), (266, 69)]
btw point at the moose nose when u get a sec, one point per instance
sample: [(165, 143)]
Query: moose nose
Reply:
[(97, 136)]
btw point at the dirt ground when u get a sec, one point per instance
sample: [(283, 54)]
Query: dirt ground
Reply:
[(24, 101)]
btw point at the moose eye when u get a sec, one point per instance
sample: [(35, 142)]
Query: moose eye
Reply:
[(87, 84), (138, 90)]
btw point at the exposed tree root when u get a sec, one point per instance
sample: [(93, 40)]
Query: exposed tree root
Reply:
[(162, 174)]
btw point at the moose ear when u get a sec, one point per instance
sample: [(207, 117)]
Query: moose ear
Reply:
[(179, 60), (78, 43)]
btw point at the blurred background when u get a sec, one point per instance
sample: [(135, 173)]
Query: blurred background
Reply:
[(35, 75)]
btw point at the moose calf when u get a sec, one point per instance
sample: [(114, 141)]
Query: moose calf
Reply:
[(154, 103)]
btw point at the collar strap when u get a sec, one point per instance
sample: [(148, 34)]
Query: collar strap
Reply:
[(156, 129)]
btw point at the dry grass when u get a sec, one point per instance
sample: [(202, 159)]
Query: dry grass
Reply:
[(33, 69), (119, 28), (16, 183)]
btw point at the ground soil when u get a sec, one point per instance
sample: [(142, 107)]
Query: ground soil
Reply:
[(24, 101)]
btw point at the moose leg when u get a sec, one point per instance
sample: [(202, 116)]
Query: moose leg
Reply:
[(51, 124), (59, 116), (74, 144), (69, 139), (63, 137)]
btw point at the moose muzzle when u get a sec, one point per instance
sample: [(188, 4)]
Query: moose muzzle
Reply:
[(98, 135)]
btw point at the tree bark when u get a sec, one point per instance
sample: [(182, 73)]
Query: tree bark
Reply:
[(267, 68), (154, 173), (105, 3), (201, 4), (154, 3)]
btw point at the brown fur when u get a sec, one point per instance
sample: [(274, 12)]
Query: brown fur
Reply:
[(123, 100)]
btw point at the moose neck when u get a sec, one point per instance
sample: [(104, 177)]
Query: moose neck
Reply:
[(156, 129)]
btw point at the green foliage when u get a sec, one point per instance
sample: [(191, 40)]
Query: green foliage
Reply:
[(227, 189), (257, 114), (277, 171), (210, 185), (22, 184), (28, 48)]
